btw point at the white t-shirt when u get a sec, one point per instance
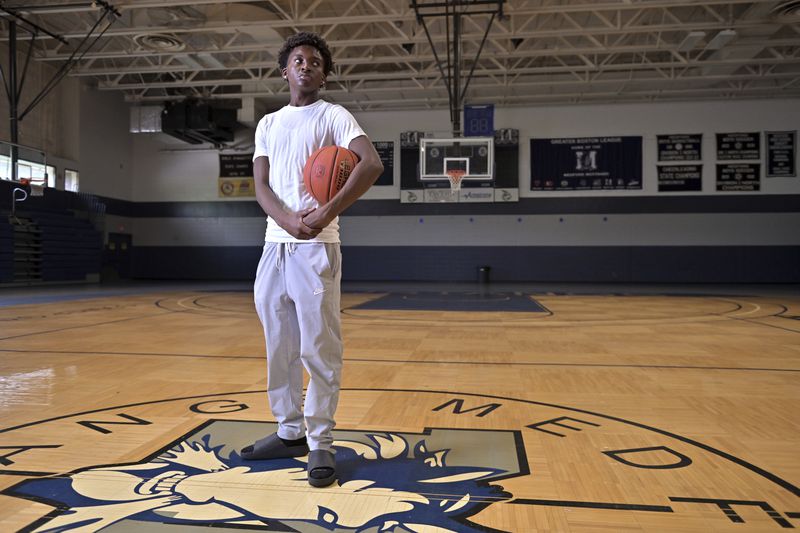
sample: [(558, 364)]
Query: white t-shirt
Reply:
[(287, 138)]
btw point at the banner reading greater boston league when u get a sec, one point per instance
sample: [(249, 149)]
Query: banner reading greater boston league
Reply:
[(586, 163)]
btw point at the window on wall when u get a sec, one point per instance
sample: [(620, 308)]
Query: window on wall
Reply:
[(35, 172), (51, 176), (71, 180)]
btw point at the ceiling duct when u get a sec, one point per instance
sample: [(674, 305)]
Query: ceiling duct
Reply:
[(160, 42), (176, 16), (788, 11), (145, 119), (236, 13), (197, 123)]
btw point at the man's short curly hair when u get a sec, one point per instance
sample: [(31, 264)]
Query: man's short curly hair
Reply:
[(306, 38)]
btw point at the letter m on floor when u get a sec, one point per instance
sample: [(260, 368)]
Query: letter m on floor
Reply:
[(458, 407)]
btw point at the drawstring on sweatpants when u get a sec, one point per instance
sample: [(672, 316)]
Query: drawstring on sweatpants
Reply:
[(284, 247)]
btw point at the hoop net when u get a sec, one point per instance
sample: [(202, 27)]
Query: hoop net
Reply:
[(455, 176)]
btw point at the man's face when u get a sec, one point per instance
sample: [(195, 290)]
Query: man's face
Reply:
[(305, 69)]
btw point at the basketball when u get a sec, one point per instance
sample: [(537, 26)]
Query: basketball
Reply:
[(327, 170)]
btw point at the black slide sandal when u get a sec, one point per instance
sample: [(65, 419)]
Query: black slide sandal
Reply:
[(321, 468), (272, 447)]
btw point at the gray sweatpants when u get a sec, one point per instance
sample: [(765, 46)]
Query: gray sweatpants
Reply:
[(297, 294)]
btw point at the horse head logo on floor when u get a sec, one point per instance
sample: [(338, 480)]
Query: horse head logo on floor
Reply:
[(387, 482)]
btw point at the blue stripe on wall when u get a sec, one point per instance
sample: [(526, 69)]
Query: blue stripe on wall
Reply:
[(718, 203), (598, 264), (776, 203), (195, 262)]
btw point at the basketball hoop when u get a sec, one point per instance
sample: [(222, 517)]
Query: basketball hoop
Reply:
[(455, 176)]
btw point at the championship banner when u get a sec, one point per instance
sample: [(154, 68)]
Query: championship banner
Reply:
[(674, 178), (739, 146), (506, 162), (587, 163), (680, 147), (738, 177), (385, 151), (236, 176), (781, 154)]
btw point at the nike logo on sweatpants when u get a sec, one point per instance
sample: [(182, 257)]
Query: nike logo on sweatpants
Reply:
[(318, 291)]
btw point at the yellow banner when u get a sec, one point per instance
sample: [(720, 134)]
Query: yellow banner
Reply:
[(236, 187)]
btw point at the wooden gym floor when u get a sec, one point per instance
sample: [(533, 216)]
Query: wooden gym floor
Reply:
[(611, 409)]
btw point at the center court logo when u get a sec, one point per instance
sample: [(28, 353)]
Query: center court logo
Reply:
[(395, 482), (392, 479)]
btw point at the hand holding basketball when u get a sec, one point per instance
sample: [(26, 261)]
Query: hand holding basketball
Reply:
[(326, 171)]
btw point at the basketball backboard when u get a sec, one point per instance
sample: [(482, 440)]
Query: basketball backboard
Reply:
[(472, 155)]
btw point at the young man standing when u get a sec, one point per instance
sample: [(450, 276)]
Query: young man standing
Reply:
[(298, 281)]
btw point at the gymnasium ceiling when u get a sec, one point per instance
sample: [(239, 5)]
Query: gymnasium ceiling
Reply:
[(539, 52)]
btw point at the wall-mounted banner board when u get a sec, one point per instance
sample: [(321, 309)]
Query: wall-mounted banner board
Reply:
[(738, 177), (739, 146), (675, 178), (781, 154), (680, 147), (586, 163), (235, 176), (385, 150)]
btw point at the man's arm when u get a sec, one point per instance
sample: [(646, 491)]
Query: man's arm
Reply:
[(364, 174), (291, 221)]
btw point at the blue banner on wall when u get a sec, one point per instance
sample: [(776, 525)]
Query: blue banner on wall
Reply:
[(586, 163)]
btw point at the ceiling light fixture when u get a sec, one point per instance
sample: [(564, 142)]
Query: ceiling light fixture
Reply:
[(189, 61), (208, 60), (691, 40)]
